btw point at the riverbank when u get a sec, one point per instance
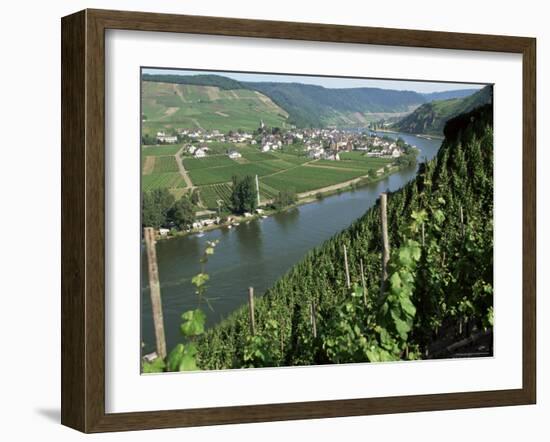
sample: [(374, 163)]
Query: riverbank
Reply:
[(258, 253), (425, 136), (303, 198)]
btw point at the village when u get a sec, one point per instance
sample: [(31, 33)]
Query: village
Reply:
[(324, 144), (329, 160)]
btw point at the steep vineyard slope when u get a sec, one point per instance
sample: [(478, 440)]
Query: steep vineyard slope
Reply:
[(450, 274), (430, 118)]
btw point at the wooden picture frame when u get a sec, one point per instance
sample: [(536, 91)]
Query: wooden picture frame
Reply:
[(83, 220)]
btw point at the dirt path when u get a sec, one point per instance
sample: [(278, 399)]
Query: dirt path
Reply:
[(148, 165), (183, 172), (178, 92)]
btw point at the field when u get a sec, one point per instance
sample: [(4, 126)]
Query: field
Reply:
[(277, 171), (364, 165), (167, 180), (208, 162), (210, 195), (307, 178), (165, 164), (214, 175), (167, 105), (258, 156), (160, 150), (291, 158)]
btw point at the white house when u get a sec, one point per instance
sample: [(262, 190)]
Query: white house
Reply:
[(266, 147), (200, 153), (192, 149), (233, 154), (163, 138), (163, 231)]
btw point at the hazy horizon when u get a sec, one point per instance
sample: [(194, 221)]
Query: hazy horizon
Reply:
[(419, 86)]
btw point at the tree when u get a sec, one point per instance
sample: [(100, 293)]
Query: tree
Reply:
[(183, 213), (150, 215), (156, 206), (284, 199), (244, 197)]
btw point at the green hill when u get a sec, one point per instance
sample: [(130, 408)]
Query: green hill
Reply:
[(430, 118), (317, 106), (214, 105), (446, 95), (304, 105), (446, 297), (216, 102)]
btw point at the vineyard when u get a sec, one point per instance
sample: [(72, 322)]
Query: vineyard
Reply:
[(210, 195), (333, 306), (167, 180), (161, 150), (308, 177), (205, 163), (214, 175), (165, 164)]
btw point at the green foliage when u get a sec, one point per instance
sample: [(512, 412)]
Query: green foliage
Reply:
[(200, 80), (244, 197), (260, 349), (284, 199), (314, 106), (308, 178), (183, 212), (193, 320), (155, 207), (184, 356), (430, 118), (155, 366), (440, 271)]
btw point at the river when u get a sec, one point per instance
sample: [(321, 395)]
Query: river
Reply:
[(256, 253)]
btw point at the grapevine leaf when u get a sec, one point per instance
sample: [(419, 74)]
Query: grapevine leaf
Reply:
[(174, 358), (193, 324), (156, 366), (200, 279)]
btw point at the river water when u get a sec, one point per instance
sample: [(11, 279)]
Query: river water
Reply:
[(256, 253)]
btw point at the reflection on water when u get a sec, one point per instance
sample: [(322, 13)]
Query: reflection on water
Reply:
[(255, 253)]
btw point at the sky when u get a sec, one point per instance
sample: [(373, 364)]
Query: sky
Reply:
[(329, 82)]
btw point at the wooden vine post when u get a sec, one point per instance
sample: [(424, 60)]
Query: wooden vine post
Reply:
[(462, 221), (348, 282), (154, 288), (385, 242), (313, 314), (251, 310), (363, 282)]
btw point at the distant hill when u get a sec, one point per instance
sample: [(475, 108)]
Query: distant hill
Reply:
[(446, 95), (218, 102), (430, 118), (173, 105), (310, 105), (199, 80)]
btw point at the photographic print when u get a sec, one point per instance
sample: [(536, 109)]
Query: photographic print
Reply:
[(292, 220)]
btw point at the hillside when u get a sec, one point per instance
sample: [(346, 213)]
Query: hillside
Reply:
[(317, 106), (215, 105), (446, 95), (430, 118), (218, 102), (443, 296), (305, 105)]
